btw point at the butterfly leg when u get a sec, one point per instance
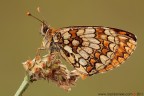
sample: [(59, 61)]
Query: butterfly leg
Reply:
[(38, 51)]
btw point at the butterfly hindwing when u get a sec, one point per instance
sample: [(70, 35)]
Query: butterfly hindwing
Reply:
[(94, 49)]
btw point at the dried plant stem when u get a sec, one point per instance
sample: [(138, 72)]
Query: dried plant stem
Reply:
[(23, 86)]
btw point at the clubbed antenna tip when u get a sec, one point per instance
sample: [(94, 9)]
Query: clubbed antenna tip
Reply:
[(28, 14)]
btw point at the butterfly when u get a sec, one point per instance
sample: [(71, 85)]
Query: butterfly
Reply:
[(90, 49)]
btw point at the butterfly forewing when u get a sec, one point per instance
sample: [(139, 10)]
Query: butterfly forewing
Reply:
[(94, 49)]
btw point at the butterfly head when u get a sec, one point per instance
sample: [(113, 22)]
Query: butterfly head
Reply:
[(44, 29)]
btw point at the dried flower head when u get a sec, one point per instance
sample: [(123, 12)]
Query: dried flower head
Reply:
[(48, 68)]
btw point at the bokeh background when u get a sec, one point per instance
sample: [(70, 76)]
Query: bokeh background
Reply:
[(19, 39)]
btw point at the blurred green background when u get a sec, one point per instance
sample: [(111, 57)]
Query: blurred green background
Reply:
[(19, 39)]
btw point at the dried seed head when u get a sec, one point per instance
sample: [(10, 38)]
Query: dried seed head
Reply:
[(51, 69)]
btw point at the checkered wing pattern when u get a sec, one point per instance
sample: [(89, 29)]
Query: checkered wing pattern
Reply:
[(94, 49)]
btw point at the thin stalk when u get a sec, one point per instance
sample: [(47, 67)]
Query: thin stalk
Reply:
[(23, 86)]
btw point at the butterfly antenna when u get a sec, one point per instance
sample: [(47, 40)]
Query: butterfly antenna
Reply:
[(29, 14), (39, 11)]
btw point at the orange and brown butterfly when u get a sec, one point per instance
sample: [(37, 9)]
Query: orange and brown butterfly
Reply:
[(90, 49)]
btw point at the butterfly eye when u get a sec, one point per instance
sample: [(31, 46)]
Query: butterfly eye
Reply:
[(44, 29)]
